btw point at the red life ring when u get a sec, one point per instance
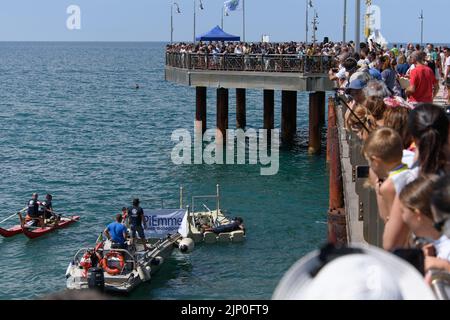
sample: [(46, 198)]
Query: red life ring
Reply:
[(113, 271)]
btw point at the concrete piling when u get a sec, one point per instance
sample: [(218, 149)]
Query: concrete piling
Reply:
[(241, 120), (316, 113), (269, 109), (200, 109), (288, 115), (222, 115)]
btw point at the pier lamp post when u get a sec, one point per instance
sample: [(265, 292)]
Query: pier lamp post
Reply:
[(195, 15), (421, 18), (357, 24), (309, 4), (344, 31), (171, 18), (315, 22)]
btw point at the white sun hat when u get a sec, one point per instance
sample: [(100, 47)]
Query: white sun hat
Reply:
[(364, 273)]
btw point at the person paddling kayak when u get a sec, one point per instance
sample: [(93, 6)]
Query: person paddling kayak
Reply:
[(33, 216), (46, 208)]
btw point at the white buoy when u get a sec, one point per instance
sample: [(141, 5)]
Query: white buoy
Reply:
[(186, 245)]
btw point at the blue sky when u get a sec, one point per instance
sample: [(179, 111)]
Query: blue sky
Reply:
[(149, 20)]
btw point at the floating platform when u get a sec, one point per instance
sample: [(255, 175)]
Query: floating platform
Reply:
[(212, 219)]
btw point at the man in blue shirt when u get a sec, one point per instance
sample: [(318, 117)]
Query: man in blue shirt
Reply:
[(117, 232)]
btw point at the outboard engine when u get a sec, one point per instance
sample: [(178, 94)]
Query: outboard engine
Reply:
[(186, 245), (96, 279), (144, 273)]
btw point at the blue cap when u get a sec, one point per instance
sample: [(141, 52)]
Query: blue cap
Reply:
[(375, 73), (357, 84)]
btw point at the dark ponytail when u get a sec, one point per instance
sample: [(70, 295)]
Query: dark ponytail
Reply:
[(429, 127)]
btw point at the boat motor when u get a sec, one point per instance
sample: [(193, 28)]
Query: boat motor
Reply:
[(186, 245), (144, 273), (96, 279)]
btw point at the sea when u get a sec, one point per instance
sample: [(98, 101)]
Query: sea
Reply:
[(73, 124)]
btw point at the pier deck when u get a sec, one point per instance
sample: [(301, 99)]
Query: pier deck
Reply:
[(268, 72)]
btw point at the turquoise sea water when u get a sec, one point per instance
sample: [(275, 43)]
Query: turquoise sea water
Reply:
[(72, 124)]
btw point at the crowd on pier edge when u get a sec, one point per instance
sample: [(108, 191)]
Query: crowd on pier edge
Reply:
[(293, 48), (390, 94)]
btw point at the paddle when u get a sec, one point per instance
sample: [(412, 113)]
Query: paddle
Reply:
[(61, 215), (12, 216)]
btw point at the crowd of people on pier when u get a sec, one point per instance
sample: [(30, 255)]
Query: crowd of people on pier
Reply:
[(390, 106), (242, 48), (389, 98)]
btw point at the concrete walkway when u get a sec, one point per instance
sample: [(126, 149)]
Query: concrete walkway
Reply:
[(440, 100)]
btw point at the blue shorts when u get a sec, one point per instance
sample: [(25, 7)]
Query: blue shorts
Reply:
[(139, 230)]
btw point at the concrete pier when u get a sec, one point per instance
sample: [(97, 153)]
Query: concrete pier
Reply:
[(222, 115), (200, 109), (241, 120), (288, 115), (269, 109)]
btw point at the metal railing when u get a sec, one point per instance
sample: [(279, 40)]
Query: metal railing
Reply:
[(250, 62), (373, 226)]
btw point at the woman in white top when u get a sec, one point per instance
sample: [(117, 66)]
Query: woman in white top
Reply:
[(429, 127)]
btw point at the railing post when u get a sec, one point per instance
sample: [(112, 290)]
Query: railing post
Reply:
[(188, 60), (336, 188), (218, 199), (181, 197), (337, 231)]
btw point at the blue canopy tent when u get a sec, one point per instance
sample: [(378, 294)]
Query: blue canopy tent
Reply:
[(217, 34)]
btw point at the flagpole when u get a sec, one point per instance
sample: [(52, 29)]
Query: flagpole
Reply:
[(195, 9), (306, 39), (344, 34), (243, 19), (358, 25)]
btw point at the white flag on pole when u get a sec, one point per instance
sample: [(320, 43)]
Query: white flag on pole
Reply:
[(232, 5)]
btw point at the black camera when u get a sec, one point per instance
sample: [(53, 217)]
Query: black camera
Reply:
[(362, 172)]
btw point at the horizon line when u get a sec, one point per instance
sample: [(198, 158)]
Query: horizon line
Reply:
[(187, 41)]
